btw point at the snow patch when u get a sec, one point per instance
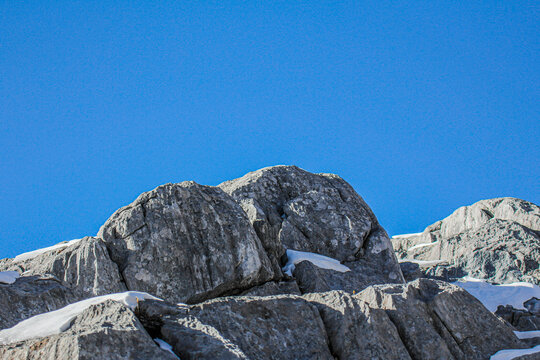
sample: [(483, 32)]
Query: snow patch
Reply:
[(514, 353), (402, 236), (423, 262), (34, 253), (162, 344), (55, 322), (527, 334), (8, 277), (491, 296), (324, 262), (422, 245)]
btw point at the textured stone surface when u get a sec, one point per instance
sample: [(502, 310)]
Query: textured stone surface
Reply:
[(185, 243), (321, 213), (274, 288), (364, 273), (29, 296), (437, 320), (105, 331), (272, 327), (522, 320), (355, 330), (85, 267), (497, 240)]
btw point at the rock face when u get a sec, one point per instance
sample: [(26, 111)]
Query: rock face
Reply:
[(29, 296), (522, 320), (107, 330), (320, 213), (85, 267), (271, 327), (497, 240), (186, 242), (355, 330), (437, 320)]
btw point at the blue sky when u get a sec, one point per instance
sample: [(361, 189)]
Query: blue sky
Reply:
[(423, 107)]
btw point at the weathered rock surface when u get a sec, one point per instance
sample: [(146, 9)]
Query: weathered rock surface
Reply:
[(274, 288), (29, 296), (497, 240), (355, 330), (522, 320), (272, 327), (85, 267), (320, 213), (185, 243), (104, 331), (437, 320)]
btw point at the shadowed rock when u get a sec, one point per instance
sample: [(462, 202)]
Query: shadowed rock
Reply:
[(29, 296), (437, 320)]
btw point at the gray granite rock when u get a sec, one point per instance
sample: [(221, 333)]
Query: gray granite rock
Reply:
[(271, 327), (437, 320), (273, 288), (29, 296), (364, 273), (321, 213), (355, 330), (497, 240), (104, 331), (84, 266), (185, 243), (522, 320)]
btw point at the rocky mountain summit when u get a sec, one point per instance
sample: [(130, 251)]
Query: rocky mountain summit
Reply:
[(496, 240), (278, 264)]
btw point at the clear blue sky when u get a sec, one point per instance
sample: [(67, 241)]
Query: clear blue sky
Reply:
[(422, 107)]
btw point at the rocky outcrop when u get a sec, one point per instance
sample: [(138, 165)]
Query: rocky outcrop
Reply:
[(84, 266), (497, 240), (185, 243), (29, 296), (355, 330), (291, 208), (271, 327), (106, 330), (522, 320), (437, 320)]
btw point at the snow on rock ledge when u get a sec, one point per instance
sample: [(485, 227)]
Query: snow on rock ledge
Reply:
[(60, 320), (321, 261), (491, 296), (8, 277), (32, 254)]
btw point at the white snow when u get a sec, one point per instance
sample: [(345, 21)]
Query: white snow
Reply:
[(8, 277), (514, 353), (405, 235), (55, 322), (491, 296), (422, 262), (422, 245), (324, 262), (527, 334), (34, 253), (162, 344)]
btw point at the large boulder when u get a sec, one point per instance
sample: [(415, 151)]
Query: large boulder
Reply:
[(291, 208), (186, 243), (437, 320), (29, 296), (108, 330), (271, 327), (496, 240), (355, 330), (84, 266)]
